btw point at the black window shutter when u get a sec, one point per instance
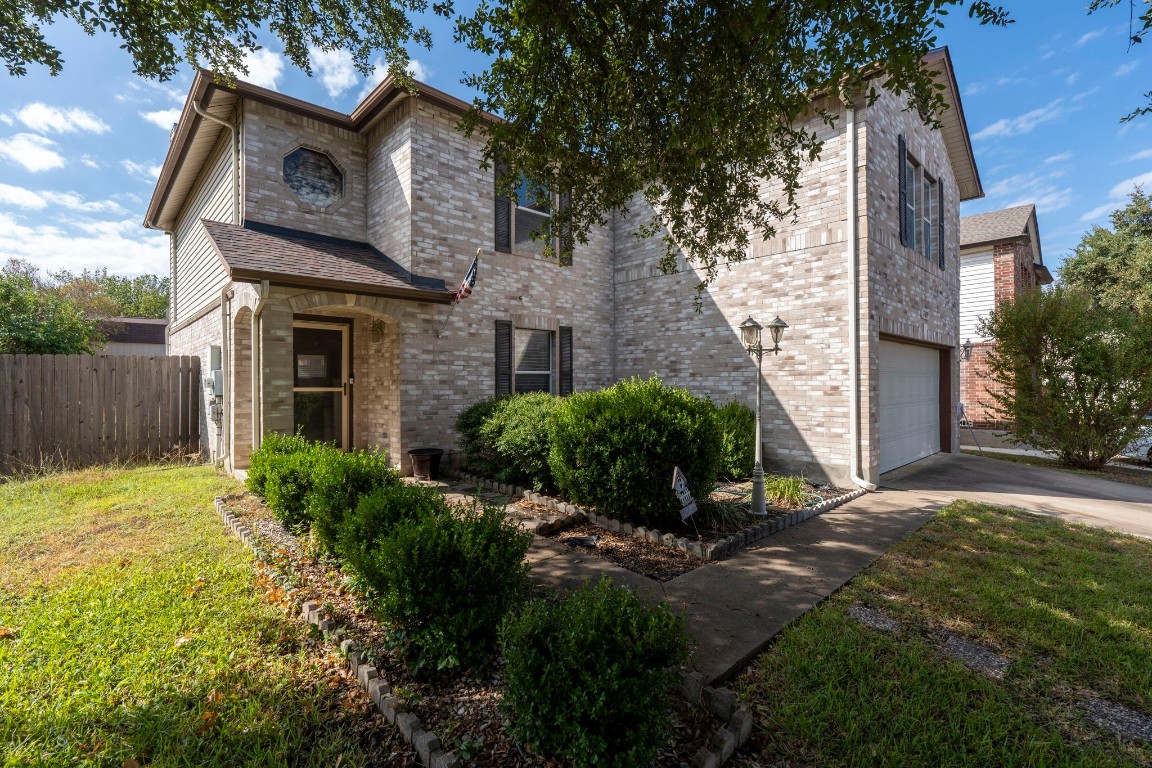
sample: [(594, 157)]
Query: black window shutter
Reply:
[(902, 159), (566, 242), (503, 214), (940, 212), (565, 387), (503, 357)]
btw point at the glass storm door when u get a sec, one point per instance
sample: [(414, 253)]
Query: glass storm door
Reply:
[(320, 386)]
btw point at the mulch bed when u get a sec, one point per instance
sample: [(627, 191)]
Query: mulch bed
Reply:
[(462, 708), (646, 558)]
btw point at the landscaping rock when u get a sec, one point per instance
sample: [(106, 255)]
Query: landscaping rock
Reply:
[(388, 707), (705, 758), (446, 760), (640, 532), (874, 619), (691, 687), (1126, 723), (365, 673), (978, 657), (354, 662), (722, 703), (741, 725), (724, 743), (307, 608), (378, 688)]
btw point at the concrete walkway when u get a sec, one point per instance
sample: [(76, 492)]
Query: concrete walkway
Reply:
[(1076, 498), (735, 607)]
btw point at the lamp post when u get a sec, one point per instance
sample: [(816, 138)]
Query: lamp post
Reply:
[(750, 335)]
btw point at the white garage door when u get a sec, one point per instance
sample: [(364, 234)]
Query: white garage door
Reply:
[(909, 403)]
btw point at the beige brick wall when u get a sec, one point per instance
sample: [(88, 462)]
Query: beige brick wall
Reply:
[(269, 134), (909, 298), (389, 191), (196, 338)]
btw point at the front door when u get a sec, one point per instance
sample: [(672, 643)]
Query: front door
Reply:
[(320, 386)]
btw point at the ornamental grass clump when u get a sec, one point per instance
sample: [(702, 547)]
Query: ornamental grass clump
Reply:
[(786, 490), (616, 449), (588, 675)]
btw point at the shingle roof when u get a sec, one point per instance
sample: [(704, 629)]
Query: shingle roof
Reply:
[(994, 226), (136, 330), (263, 252)]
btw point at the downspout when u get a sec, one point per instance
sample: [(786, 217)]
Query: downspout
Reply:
[(222, 453), (853, 304), (258, 369)]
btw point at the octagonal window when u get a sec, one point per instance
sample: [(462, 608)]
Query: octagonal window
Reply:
[(313, 177)]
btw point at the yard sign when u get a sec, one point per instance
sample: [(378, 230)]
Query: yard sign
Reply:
[(680, 487)]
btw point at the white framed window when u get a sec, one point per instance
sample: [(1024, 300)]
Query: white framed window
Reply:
[(532, 355), (530, 216), (920, 213)]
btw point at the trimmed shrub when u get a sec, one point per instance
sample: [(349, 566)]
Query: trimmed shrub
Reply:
[(287, 484), (340, 480), (446, 581), (274, 444), (517, 433), (479, 455), (374, 518), (616, 449), (737, 425), (588, 676)]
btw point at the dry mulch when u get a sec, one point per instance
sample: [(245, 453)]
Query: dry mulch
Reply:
[(462, 708), (646, 558)]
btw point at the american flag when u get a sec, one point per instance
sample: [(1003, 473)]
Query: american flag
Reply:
[(468, 283)]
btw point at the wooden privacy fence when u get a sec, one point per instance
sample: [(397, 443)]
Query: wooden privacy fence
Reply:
[(76, 410)]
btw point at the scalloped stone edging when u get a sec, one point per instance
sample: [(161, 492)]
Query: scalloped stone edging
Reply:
[(569, 514), (722, 703), (426, 743)]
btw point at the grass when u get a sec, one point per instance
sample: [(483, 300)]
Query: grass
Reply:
[(1069, 605), (131, 632), (1110, 472)]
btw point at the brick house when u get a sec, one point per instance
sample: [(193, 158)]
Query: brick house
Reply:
[(315, 255), (1000, 256)]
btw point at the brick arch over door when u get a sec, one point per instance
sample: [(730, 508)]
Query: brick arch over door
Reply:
[(334, 301)]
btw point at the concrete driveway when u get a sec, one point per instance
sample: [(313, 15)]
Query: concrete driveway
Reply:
[(1076, 498)]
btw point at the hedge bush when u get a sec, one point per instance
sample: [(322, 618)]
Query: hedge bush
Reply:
[(615, 449), (274, 444), (737, 425), (375, 517), (479, 454), (588, 676), (447, 580), (517, 431), (287, 484), (341, 479)]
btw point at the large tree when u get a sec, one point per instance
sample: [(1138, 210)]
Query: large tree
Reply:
[(689, 107), (1074, 380), (139, 296), (1115, 265), (37, 320)]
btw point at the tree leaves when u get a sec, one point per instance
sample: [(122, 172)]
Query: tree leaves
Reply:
[(1115, 266)]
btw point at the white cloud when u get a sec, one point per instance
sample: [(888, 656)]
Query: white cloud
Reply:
[(21, 198), (7, 120), (122, 245), (336, 70), (1143, 154), (419, 70), (146, 172), (1058, 158), (1126, 69), (416, 68), (35, 153), (1071, 79), (264, 68), (45, 119), (1025, 123), (1124, 188), (1032, 187), (163, 118), (1097, 212), (1088, 37), (147, 91), (90, 161)]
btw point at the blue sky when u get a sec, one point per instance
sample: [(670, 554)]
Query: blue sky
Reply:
[(79, 153)]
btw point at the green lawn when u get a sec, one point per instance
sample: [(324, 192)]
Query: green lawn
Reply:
[(1069, 605), (130, 630)]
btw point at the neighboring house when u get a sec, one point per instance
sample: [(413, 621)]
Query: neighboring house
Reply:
[(316, 254), (135, 336), (999, 257)]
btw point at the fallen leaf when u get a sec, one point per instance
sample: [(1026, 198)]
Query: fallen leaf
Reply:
[(8, 632), (182, 640), (131, 762), (124, 563)]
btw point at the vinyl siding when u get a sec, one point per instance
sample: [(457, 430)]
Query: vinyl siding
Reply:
[(199, 273), (977, 293)]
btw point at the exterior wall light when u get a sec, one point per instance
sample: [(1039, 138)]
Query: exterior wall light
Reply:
[(966, 350), (750, 335)]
